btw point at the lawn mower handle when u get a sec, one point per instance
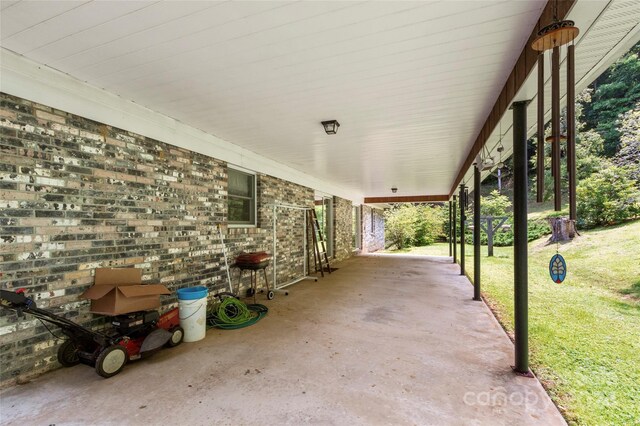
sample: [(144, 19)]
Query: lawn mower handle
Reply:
[(16, 300), (20, 303)]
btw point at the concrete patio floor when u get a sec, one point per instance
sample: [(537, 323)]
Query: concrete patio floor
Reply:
[(383, 340)]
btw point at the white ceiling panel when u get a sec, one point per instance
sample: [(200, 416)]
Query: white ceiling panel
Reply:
[(59, 25), (242, 19), (410, 82), (4, 4), (154, 15), (120, 51), (20, 16)]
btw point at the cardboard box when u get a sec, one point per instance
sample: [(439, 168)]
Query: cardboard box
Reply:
[(119, 291)]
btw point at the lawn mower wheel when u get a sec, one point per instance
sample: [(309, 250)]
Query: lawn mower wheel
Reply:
[(111, 360), (68, 354), (177, 334)]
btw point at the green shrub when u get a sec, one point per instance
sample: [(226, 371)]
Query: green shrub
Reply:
[(419, 225), (589, 160), (444, 220), (495, 204), (535, 230), (629, 153), (430, 224), (503, 238), (400, 225), (607, 197)]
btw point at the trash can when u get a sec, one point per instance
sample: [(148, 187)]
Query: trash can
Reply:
[(192, 304)]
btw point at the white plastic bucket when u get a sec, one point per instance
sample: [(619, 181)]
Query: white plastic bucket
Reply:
[(192, 304)]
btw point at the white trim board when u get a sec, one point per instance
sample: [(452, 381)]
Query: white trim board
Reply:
[(29, 80)]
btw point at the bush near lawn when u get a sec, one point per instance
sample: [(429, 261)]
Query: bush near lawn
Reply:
[(608, 197), (415, 224)]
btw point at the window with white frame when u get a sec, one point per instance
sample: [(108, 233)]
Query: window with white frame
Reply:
[(242, 198)]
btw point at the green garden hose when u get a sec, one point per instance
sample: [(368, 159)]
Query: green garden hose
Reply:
[(231, 314)]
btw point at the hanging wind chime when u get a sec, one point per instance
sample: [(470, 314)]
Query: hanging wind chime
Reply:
[(486, 161), (500, 149), (551, 38)]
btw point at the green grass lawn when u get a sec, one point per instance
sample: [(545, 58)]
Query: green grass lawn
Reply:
[(585, 332)]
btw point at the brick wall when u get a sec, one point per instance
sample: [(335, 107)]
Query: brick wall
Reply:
[(372, 229), (290, 224), (76, 194), (343, 228)]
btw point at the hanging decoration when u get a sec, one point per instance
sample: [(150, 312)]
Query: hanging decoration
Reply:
[(500, 149), (557, 268), (486, 160), (556, 34), (540, 132), (550, 38)]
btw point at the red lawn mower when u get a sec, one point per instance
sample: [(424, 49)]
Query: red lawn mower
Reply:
[(132, 336)]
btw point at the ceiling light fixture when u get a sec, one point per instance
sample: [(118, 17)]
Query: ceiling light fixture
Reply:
[(331, 126), (394, 189)]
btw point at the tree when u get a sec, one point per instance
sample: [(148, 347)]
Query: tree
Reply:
[(589, 150), (614, 91), (495, 204), (430, 224), (629, 153), (400, 225), (415, 224)]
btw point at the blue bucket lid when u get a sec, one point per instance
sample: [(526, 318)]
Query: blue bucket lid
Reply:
[(192, 293)]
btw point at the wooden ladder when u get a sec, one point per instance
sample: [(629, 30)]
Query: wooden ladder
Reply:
[(319, 250)]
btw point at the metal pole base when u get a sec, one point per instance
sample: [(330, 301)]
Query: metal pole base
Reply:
[(478, 299), (282, 289), (528, 374)]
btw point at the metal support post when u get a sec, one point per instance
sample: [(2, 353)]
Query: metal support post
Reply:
[(462, 219), (571, 131), (450, 228), (455, 238), (521, 314), (476, 233)]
